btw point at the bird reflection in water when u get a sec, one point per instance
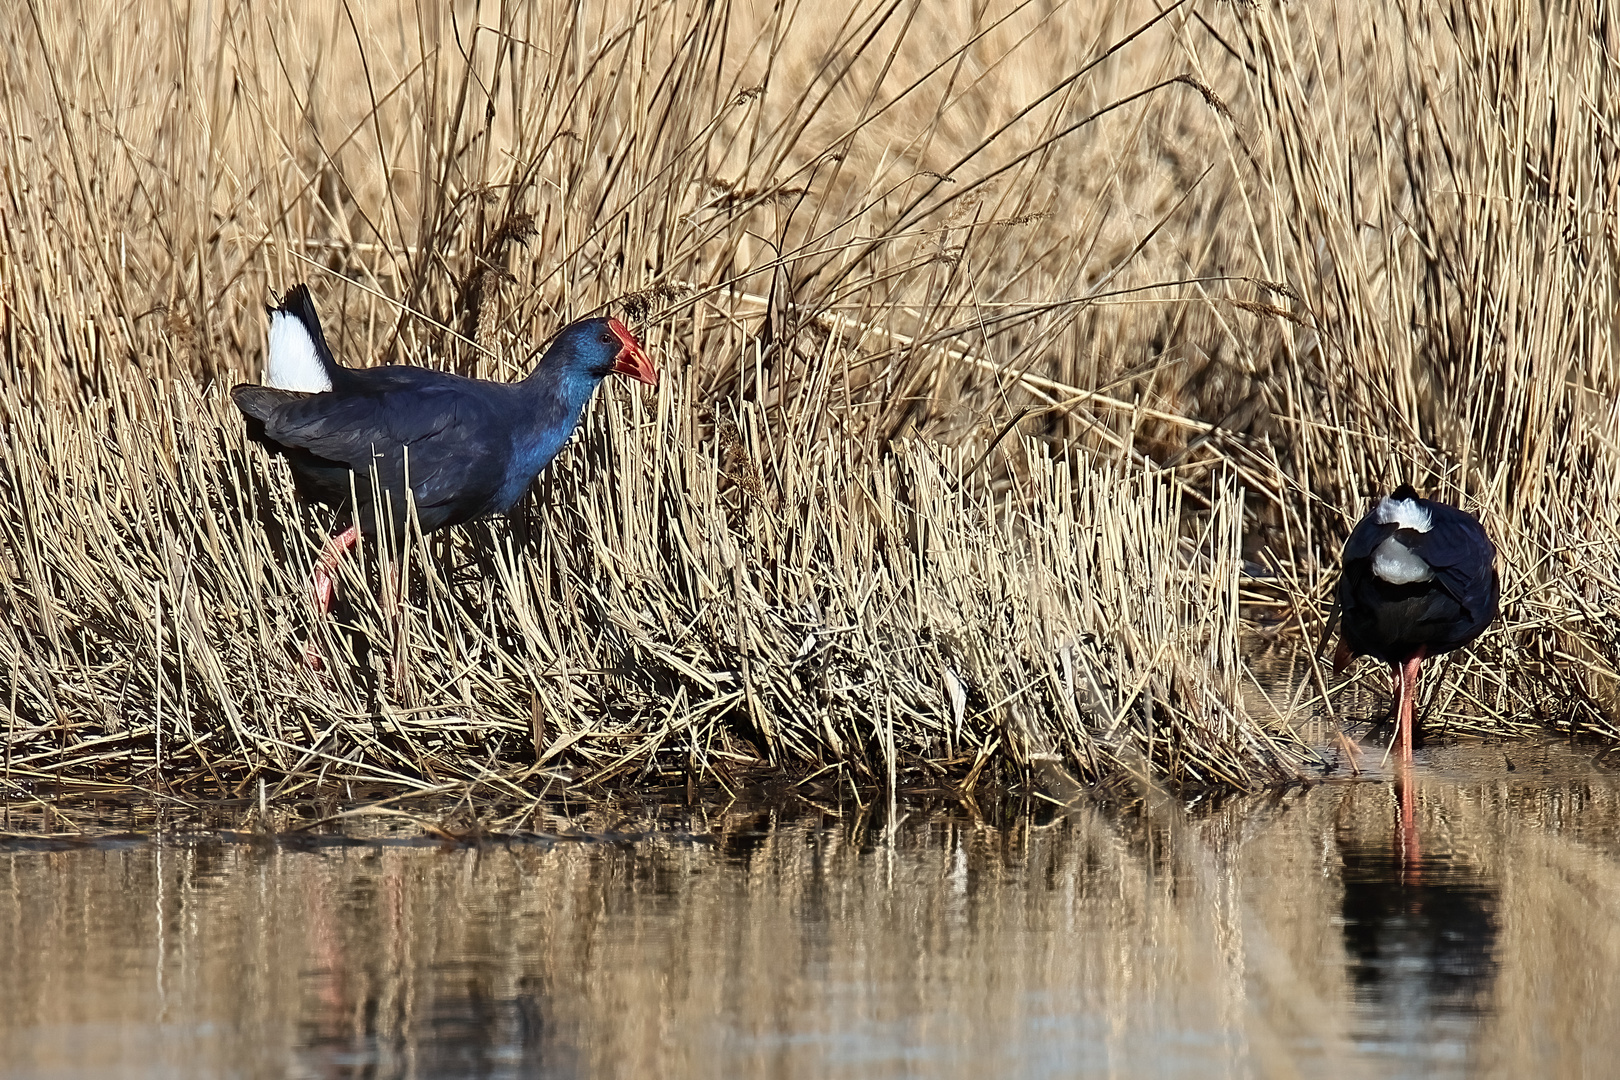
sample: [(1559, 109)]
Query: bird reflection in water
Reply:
[(1408, 847), (1420, 930)]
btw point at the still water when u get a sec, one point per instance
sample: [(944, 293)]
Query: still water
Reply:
[(1295, 934)]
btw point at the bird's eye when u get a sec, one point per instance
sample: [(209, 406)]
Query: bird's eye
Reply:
[(608, 339)]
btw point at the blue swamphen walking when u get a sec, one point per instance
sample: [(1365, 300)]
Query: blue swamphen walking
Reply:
[(1419, 580), (466, 448)]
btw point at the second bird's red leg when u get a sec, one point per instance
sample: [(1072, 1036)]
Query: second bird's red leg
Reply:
[(1408, 703)]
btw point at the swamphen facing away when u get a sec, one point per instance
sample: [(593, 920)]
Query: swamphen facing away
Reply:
[(1419, 580), (469, 447)]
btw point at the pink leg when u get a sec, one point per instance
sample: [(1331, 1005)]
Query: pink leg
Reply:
[(1408, 703), (322, 586), (1400, 693), (1408, 847)]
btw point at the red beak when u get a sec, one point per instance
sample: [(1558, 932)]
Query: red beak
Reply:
[(632, 359)]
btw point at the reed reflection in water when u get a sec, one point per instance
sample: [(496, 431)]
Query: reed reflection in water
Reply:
[(1269, 936)]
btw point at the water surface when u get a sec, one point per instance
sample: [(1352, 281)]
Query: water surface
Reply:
[(1295, 933)]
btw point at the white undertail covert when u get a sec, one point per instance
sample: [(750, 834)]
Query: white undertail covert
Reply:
[(1404, 512), (1398, 564), (291, 362)]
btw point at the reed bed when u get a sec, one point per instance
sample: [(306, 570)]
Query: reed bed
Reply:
[(649, 616), (1007, 349)]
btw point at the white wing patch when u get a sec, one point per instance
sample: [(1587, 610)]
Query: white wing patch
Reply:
[(1404, 512), (1398, 564), (291, 362)]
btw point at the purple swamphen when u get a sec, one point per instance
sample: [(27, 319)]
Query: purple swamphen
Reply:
[(1419, 580), (466, 447)]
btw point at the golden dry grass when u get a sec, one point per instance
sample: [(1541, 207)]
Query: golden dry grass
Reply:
[(1226, 271)]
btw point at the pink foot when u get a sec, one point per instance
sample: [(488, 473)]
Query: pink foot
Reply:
[(323, 587)]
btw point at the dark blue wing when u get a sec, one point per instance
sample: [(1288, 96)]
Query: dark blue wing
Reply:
[(1397, 621), (1462, 557), (1365, 538), (437, 429)]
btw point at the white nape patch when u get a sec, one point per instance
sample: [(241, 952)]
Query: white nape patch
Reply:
[(1404, 512), (291, 362), (1397, 564)]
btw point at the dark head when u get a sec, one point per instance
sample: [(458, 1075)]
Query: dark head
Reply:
[(588, 351)]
